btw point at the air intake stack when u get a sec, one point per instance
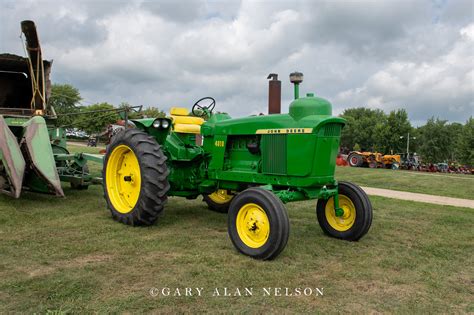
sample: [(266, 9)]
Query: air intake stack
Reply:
[(296, 78)]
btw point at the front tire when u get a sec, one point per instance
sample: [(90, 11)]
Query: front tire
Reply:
[(357, 217), (135, 178), (258, 224), (218, 201)]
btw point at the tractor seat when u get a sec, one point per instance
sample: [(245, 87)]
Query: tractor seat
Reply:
[(184, 123)]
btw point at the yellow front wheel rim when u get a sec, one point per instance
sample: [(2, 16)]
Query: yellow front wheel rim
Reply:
[(253, 225), (123, 179), (220, 196), (344, 222)]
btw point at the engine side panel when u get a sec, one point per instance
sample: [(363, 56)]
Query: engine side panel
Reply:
[(292, 157)]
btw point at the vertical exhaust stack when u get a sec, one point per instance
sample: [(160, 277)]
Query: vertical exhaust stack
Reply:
[(274, 94)]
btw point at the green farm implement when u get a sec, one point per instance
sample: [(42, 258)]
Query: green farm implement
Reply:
[(248, 167), (33, 152)]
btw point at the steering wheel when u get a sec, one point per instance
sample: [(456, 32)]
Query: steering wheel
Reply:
[(201, 110)]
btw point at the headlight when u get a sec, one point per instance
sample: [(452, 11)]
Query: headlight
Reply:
[(157, 123), (165, 124)]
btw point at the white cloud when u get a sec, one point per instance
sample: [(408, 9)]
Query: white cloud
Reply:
[(442, 87)]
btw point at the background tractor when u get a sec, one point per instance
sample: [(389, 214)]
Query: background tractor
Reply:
[(373, 160), (248, 167)]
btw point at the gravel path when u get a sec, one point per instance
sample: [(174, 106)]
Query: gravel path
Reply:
[(403, 195)]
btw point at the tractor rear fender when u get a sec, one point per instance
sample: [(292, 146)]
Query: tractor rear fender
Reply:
[(12, 166), (143, 124), (159, 133), (39, 155)]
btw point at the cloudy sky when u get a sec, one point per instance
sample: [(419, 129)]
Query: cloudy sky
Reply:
[(417, 55)]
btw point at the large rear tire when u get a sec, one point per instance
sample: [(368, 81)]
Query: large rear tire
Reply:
[(357, 217), (355, 160), (218, 201), (258, 224), (135, 178)]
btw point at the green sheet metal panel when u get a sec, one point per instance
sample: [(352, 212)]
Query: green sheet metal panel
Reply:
[(331, 130), (273, 149), (13, 163), (44, 176), (327, 148), (218, 152), (300, 153)]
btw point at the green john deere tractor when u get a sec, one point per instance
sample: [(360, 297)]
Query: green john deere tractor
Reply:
[(248, 167)]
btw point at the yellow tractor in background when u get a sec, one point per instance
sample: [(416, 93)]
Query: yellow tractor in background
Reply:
[(373, 160)]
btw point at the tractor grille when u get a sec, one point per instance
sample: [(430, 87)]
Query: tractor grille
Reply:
[(274, 154), (332, 130)]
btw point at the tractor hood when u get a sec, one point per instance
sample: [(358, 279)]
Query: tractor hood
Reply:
[(307, 115)]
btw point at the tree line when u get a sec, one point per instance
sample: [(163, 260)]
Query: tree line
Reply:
[(436, 141), (366, 130), (66, 100)]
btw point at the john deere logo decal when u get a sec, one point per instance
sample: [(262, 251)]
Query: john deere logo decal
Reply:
[(284, 131)]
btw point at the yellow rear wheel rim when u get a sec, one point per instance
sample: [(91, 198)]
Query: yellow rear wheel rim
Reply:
[(220, 196), (253, 225), (123, 179), (344, 222)]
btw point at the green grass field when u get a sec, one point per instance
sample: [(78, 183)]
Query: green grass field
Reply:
[(69, 255), (77, 148)]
